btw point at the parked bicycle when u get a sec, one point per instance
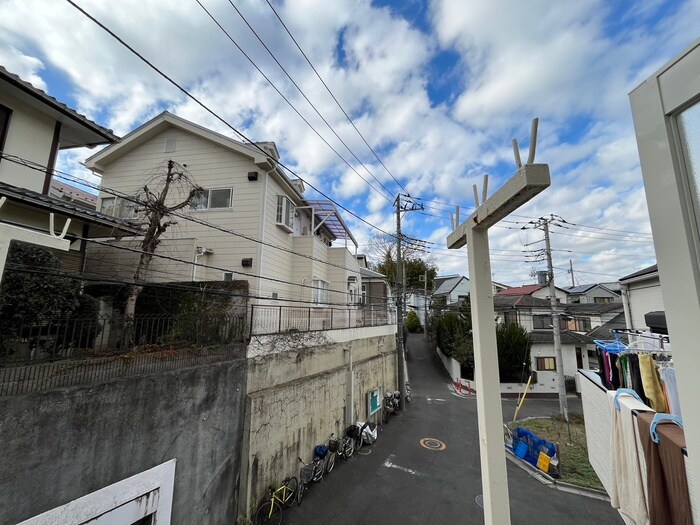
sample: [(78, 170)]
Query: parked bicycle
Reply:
[(328, 452), (270, 511), (346, 446), (309, 472), (408, 392)]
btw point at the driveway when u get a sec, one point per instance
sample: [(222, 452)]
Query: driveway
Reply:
[(403, 481)]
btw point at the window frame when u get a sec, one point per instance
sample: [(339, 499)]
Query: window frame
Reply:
[(542, 361), (285, 210), (320, 291), (114, 205), (208, 192)]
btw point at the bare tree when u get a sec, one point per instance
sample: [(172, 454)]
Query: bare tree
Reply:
[(154, 208)]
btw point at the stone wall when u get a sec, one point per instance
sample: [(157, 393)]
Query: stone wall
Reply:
[(299, 392), (66, 443)]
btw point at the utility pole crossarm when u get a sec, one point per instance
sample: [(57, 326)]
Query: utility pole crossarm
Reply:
[(527, 182)]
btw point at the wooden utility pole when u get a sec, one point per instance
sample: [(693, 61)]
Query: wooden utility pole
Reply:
[(528, 181), (571, 271)]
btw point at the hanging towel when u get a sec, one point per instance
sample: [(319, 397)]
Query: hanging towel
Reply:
[(628, 493), (668, 376), (669, 503), (652, 383), (626, 368), (637, 377), (614, 371)]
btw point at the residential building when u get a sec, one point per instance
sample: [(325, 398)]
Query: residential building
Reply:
[(641, 295), (251, 222), (69, 193), (34, 128), (592, 293), (535, 290), (447, 289)]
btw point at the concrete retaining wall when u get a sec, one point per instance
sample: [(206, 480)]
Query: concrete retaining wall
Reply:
[(451, 365), (299, 392), (64, 444)]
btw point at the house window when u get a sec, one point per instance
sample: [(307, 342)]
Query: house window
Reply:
[(510, 317), (107, 205), (320, 293), (363, 300), (603, 300), (212, 199), (170, 144), (582, 324), (5, 113), (546, 364), (285, 212), (541, 321), (228, 276)]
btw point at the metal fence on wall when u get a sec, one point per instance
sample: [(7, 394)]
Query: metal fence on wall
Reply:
[(47, 353), (268, 319)]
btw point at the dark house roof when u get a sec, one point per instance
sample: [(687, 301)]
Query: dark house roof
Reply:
[(603, 332), (591, 308), (644, 271), (502, 302), (47, 203), (567, 337), (77, 129)]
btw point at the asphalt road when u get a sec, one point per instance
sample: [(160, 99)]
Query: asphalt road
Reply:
[(402, 482)]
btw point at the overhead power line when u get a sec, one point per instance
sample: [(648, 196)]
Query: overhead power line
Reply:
[(333, 96), (218, 117), (279, 92)]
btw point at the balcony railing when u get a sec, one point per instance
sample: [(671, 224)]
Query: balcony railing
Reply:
[(268, 319)]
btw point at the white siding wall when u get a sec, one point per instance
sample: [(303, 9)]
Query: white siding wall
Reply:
[(644, 297), (339, 276), (461, 289), (211, 166), (29, 136), (543, 293)]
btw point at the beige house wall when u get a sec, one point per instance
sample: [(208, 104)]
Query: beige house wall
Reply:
[(29, 136)]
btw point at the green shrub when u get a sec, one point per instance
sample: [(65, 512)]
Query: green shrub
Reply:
[(412, 322), (514, 344)]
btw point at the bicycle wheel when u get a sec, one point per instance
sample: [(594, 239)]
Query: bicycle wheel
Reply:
[(300, 492), (358, 442), (349, 447), (330, 462), (318, 469), (290, 493), (269, 513)]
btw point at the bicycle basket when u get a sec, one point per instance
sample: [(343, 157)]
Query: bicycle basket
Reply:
[(320, 451), (353, 431), (307, 473), (333, 445)]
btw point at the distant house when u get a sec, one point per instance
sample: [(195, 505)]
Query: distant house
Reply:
[(447, 289), (293, 251), (642, 300), (576, 323), (69, 193), (535, 290), (592, 293)]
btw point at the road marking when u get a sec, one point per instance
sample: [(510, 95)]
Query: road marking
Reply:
[(480, 500), (432, 400), (432, 444), (389, 464)]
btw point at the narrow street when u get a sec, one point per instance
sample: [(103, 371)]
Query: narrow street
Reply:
[(403, 482)]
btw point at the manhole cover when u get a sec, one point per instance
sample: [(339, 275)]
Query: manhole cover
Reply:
[(432, 444), (480, 500)]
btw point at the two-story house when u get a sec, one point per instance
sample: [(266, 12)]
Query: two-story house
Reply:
[(34, 128), (250, 222), (592, 293)]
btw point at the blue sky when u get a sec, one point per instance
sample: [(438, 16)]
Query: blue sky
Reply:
[(437, 87)]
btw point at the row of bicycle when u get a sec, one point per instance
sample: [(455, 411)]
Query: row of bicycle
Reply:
[(293, 488)]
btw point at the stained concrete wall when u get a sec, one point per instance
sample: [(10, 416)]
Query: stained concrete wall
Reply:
[(63, 444), (299, 387)]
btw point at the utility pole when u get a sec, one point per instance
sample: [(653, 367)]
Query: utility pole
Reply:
[(425, 305), (543, 222), (571, 271), (409, 205)]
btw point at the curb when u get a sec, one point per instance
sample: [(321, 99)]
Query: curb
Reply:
[(552, 483)]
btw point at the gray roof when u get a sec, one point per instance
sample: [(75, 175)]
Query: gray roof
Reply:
[(567, 337), (603, 332), (61, 112), (371, 274), (591, 308), (447, 284), (584, 288), (501, 302), (66, 208), (644, 271)]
